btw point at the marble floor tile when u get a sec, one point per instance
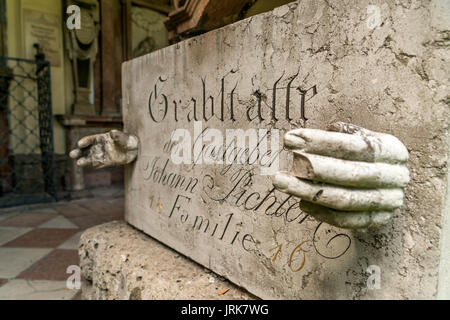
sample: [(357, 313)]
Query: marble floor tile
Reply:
[(28, 219), (42, 238), (15, 260), (8, 234), (53, 266), (20, 289), (72, 243), (59, 222)]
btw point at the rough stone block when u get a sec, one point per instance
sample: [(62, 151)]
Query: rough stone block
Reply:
[(120, 262)]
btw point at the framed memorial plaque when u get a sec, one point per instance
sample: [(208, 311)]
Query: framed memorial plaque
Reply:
[(43, 28)]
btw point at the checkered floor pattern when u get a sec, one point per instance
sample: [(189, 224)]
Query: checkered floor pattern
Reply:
[(38, 243)]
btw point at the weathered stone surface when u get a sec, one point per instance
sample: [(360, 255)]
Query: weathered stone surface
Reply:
[(382, 66), (105, 150), (120, 262)]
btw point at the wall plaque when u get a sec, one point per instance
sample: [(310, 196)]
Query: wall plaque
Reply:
[(42, 28)]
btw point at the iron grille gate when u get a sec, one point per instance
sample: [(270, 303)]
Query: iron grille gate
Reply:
[(27, 160)]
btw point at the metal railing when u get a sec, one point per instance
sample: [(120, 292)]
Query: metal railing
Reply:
[(27, 160)]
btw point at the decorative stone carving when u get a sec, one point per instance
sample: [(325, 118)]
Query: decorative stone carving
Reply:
[(286, 69), (114, 148), (349, 177), (82, 46), (193, 15)]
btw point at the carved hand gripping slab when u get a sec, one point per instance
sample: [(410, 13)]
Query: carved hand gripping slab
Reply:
[(349, 177)]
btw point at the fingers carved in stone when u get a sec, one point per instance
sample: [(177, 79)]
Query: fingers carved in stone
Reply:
[(347, 219), (349, 173), (339, 197), (356, 146), (349, 176), (105, 150)]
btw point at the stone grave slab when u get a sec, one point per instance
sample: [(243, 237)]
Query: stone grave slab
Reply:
[(211, 111)]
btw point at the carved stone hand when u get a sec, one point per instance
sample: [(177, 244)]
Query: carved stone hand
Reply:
[(114, 148), (349, 177)]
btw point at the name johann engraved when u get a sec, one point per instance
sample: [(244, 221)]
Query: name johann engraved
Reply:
[(234, 183)]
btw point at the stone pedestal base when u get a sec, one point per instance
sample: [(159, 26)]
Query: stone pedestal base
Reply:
[(120, 262)]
